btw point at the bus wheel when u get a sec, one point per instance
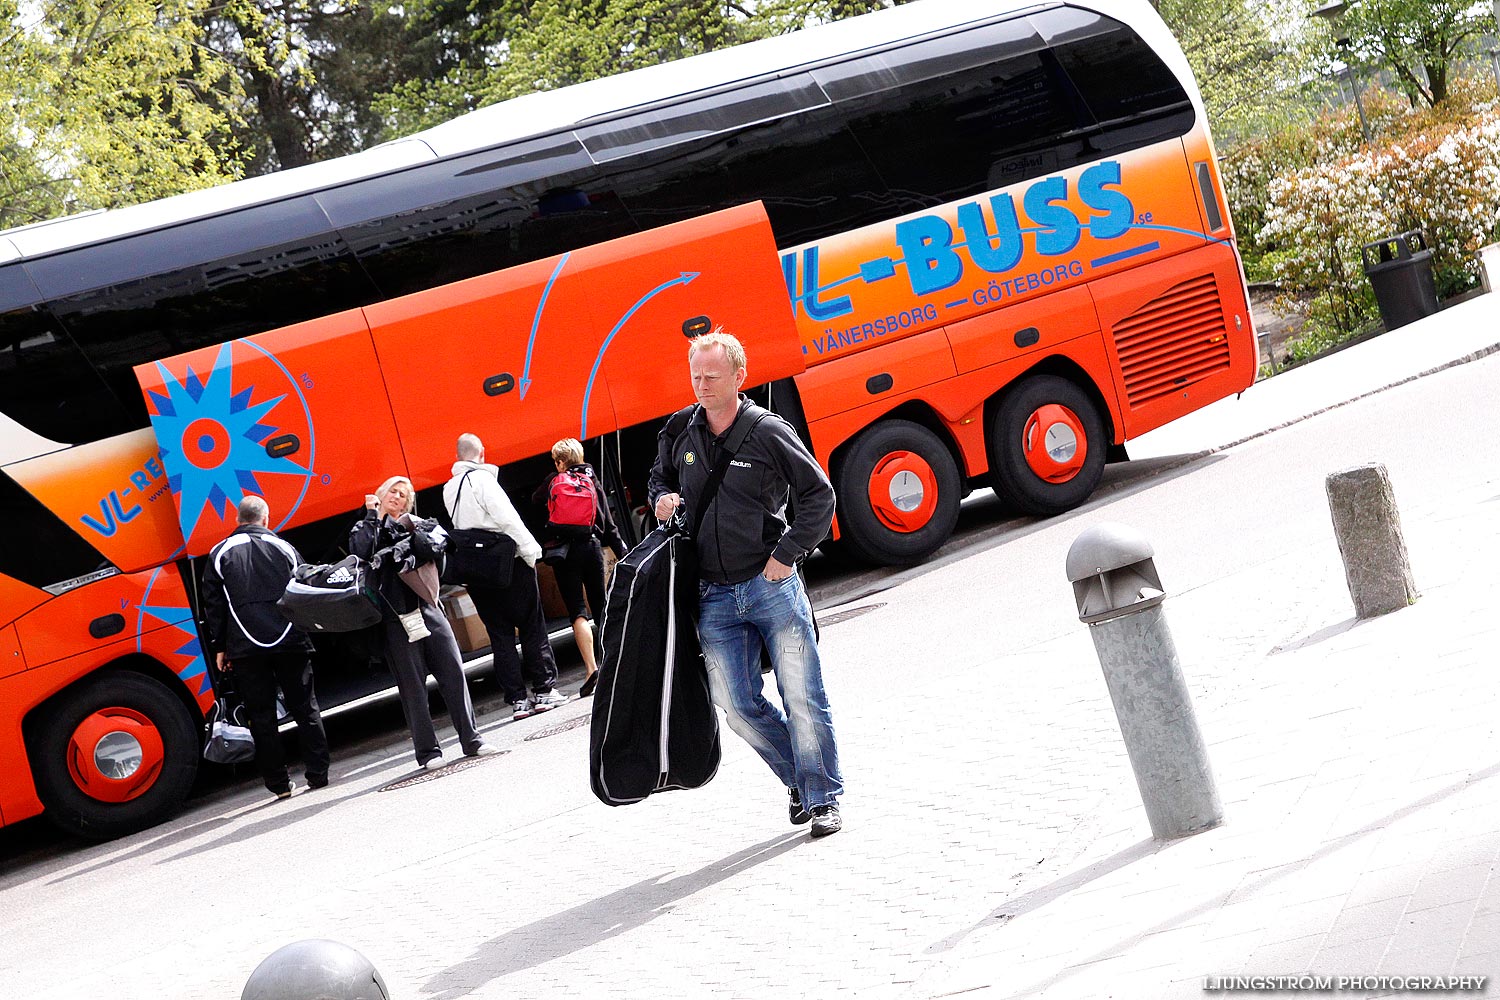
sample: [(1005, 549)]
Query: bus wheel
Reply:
[(114, 755), (898, 493), (1047, 446)]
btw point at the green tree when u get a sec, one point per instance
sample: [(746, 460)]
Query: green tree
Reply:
[(516, 47), (108, 103), (1417, 40), (1249, 58)]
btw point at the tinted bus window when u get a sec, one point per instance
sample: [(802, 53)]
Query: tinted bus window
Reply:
[(961, 114), (1101, 56), (161, 293), (700, 117), (46, 384), (38, 548), (469, 215), (806, 168)]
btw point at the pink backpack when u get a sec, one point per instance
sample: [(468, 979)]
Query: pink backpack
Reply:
[(570, 504)]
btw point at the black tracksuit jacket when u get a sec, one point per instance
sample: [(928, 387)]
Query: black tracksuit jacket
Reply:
[(743, 526)]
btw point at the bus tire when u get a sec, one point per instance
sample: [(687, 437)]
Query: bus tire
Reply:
[(1047, 446), (115, 754), (898, 492)]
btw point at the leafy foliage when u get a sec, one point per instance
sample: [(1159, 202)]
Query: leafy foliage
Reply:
[(107, 106), (1418, 40)]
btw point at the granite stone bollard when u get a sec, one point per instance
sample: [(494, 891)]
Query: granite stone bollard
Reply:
[(1119, 597), (1367, 526)]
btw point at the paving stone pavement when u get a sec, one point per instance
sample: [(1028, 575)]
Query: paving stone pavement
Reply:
[(995, 845)]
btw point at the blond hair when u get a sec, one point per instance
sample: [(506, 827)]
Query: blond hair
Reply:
[(568, 451), (733, 349), (385, 487)]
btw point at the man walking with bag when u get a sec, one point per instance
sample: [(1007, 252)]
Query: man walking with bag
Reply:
[(475, 499), (247, 574), (750, 595)]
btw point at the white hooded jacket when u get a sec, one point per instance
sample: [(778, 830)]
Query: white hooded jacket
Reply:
[(483, 504)]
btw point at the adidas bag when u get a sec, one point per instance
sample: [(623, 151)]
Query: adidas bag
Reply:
[(339, 597), (570, 504)]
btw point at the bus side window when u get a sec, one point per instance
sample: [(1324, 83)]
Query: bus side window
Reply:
[(798, 158), (46, 384), (156, 294), (442, 222), (1097, 54), (45, 551), (953, 116)]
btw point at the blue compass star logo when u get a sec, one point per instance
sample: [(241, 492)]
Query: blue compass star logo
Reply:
[(213, 440), (171, 610)]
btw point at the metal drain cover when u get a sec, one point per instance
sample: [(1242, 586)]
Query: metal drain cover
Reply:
[(561, 727), (825, 620), (462, 764)]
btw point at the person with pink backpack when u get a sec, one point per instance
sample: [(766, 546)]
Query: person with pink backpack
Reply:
[(577, 519)]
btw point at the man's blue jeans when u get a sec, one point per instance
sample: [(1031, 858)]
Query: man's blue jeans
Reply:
[(734, 621)]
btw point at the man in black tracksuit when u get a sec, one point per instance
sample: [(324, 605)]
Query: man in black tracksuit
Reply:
[(247, 573), (749, 593)]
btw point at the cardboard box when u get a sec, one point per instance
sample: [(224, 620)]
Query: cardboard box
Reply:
[(553, 607), (463, 618)]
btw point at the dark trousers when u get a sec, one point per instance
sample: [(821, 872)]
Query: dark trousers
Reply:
[(256, 679), (582, 572), (506, 610), (410, 663)]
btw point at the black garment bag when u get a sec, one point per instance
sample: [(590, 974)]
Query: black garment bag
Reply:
[(654, 727)]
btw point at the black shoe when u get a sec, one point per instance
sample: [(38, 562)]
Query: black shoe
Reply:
[(589, 685), (317, 781), (794, 810), (826, 820)]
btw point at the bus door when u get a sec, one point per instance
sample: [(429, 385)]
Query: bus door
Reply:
[(582, 344), (298, 416)]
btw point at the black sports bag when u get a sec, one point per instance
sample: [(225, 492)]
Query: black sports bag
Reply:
[(337, 597)]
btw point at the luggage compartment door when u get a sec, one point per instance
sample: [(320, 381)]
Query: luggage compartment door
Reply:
[(580, 344), (298, 415)]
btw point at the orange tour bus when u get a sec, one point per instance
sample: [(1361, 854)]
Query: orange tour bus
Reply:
[(966, 245)]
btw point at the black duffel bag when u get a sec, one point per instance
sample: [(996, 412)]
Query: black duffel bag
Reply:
[(479, 556)]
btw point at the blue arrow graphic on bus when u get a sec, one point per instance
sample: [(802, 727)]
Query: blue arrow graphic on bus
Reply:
[(536, 321), (588, 390)]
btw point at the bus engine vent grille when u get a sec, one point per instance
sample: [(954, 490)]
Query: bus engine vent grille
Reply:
[(1173, 341)]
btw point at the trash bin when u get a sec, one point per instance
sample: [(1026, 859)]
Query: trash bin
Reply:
[(1400, 270)]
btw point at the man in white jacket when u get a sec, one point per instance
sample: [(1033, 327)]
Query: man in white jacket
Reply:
[(475, 499)]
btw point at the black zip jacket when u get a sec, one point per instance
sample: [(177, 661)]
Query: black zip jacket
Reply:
[(247, 574), (399, 550), (743, 526)]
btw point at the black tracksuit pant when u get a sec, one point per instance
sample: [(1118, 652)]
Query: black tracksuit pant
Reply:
[(256, 679), (506, 610)]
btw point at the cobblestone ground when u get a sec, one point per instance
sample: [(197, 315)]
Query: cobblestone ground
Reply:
[(994, 839)]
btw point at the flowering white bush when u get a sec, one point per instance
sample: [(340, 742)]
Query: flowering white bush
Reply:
[(1444, 180)]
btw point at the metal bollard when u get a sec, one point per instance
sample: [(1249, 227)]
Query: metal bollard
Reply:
[(315, 969), (1119, 597)]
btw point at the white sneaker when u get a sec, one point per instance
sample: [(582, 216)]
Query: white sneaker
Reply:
[(435, 764), (521, 709), (483, 750), (546, 702)]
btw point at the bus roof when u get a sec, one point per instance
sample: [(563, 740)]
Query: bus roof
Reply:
[(549, 111)]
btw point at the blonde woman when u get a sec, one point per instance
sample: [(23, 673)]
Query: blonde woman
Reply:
[(581, 570), (436, 653)]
